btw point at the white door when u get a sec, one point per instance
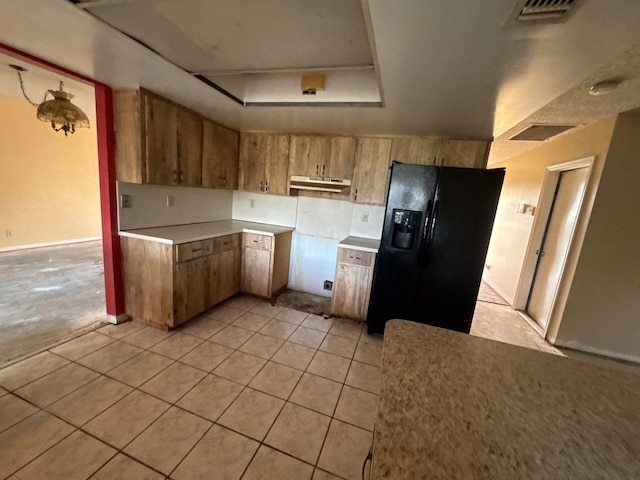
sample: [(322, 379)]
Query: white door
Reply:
[(555, 244)]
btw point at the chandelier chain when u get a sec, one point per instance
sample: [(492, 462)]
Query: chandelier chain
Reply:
[(25, 93)]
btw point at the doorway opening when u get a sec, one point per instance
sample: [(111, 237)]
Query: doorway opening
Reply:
[(552, 237), (107, 246)]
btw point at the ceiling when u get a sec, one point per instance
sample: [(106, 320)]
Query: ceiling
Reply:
[(449, 68)]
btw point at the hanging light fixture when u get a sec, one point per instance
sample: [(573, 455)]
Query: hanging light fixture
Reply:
[(59, 111)]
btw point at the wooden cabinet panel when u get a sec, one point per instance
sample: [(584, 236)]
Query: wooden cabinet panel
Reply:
[(253, 153), (161, 120), (371, 171), (264, 163), (261, 242), (415, 150), (228, 242), (220, 150), (342, 157), (189, 148), (355, 257), (464, 153), (256, 272), (351, 291), (308, 155), (191, 250), (128, 122), (277, 165), (228, 276), (191, 289)]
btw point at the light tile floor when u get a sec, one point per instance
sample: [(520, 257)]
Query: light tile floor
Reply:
[(247, 390)]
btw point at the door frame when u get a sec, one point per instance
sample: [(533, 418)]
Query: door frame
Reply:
[(105, 133), (545, 204)]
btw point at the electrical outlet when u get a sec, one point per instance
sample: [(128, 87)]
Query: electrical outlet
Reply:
[(328, 285), (252, 203), (125, 201), (8, 233), (170, 200), (365, 217)]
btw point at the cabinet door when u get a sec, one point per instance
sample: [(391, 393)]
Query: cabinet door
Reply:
[(191, 289), (128, 135), (161, 160), (253, 158), (464, 153), (256, 272), (277, 165), (415, 150), (371, 171), (189, 148), (229, 266), (308, 155), (219, 156), (342, 157), (350, 291)]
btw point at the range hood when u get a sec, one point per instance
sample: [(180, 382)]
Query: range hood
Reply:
[(319, 184)]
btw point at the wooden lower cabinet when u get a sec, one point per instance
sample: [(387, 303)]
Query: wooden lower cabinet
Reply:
[(265, 263), (352, 283), (166, 285)]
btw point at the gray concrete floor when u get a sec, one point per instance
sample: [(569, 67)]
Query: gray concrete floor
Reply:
[(48, 295)]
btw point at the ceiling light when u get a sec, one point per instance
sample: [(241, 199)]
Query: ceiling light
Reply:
[(604, 88), (59, 111)]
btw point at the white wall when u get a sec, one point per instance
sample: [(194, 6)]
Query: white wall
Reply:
[(190, 205), (275, 209)]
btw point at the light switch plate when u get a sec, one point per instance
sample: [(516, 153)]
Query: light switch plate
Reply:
[(365, 217), (125, 201)]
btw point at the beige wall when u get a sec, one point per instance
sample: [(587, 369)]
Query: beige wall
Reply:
[(49, 183), (523, 184), (602, 312)]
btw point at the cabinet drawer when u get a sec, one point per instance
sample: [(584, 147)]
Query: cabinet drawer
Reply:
[(191, 250), (260, 242), (355, 257), (226, 243)]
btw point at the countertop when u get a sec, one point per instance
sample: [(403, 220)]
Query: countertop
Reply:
[(360, 243), (192, 232), (453, 406)]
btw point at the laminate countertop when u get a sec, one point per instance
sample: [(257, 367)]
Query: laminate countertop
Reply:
[(360, 243), (453, 406), (192, 232)]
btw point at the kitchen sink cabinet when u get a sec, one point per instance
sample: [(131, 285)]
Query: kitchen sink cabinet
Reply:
[(264, 163), (157, 141), (166, 285), (219, 156), (352, 283), (265, 263), (371, 171)]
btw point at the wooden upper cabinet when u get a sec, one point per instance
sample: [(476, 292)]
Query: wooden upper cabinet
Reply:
[(308, 155), (219, 156), (157, 141), (189, 148), (371, 171), (264, 163), (342, 157), (161, 153), (415, 150), (464, 153)]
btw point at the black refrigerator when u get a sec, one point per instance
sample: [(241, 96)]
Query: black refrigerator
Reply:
[(434, 242)]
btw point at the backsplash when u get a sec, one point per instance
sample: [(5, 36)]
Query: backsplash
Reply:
[(188, 205), (263, 208)]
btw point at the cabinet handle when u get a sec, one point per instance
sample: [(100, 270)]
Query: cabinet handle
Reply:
[(261, 187), (355, 198), (357, 258), (317, 168), (197, 250), (266, 186), (323, 166), (225, 243), (255, 241)]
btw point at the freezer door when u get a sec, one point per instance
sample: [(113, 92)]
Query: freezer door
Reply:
[(397, 273), (464, 208)]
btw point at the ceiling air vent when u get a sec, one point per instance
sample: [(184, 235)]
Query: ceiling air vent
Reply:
[(540, 11), (540, 133)]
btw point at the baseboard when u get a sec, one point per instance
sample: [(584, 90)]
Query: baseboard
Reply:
[(572, 345), (118, 319), (506, 298), (532, 323), (49, 244)]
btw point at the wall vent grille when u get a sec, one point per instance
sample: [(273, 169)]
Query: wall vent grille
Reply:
[(544, 9)]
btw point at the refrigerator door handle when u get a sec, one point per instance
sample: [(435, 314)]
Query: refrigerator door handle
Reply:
[(426, 231), (434, 219)]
